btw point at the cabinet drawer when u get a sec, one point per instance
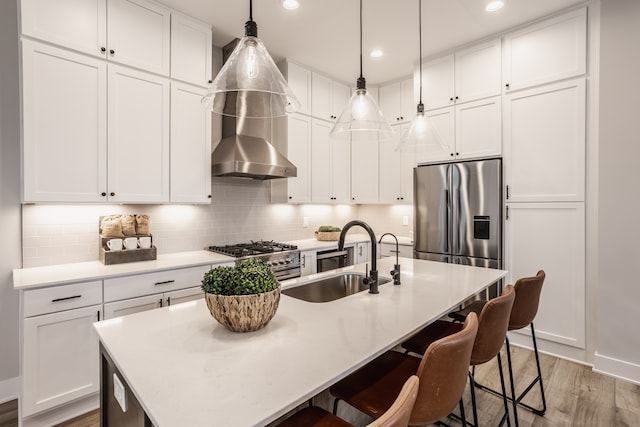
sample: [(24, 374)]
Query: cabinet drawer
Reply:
[(387, 249), (60, 298), (153, 283)]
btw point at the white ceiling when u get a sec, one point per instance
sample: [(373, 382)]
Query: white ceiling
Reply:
[(323, 34)]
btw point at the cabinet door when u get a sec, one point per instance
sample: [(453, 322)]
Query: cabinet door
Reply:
[(390, 102), (299, 81), (321, 158), (390, 172), (191, 50), (551, 50), (443, 121), (479, 128), (478, 71), (64, 125), (341, 169), (544, 136), (409, 102), (363, 253), (60, 359), (308, 262), (190, 145), (437, 83), (138, 167), (183, 295), (321, 97), (340, 95), (550, 236), (407, 163), (138, 34), (299, 153), (76, 24), (133, 305), (364, 171)]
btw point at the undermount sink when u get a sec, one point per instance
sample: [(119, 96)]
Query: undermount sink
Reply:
[(331, 288)]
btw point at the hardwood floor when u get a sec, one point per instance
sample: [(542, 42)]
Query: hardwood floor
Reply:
[(576, 396)]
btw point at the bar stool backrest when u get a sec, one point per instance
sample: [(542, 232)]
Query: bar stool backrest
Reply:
[(492, 328), (443, 374), (398, 414), (525, 306)]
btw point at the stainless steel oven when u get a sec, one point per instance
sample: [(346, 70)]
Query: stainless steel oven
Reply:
[(333, 258)]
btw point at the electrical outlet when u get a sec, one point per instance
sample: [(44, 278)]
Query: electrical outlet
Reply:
[(119, 392), (305, 221), (405, 220)]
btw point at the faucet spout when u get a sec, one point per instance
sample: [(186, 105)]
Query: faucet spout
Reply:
[(372, 279), (395, 273)]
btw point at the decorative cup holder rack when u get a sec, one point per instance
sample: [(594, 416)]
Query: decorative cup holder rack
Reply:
[(109, 257)]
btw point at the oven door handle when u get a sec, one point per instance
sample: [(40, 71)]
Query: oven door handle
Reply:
[(331, 254)]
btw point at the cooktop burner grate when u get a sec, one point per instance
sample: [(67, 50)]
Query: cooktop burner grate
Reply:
[(253, 248)]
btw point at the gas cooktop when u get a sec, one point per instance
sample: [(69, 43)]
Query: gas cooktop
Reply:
[(239, 250)]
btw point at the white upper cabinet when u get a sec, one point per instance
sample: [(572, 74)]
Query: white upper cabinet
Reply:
[(132, 32), (396, 171), (64, 125), (78, 24), (138, 129), (470, 130), (190, 145), (293, 139), (466, 75), (397, 101), (330, 170), (544, 143), (364, 171), (299, 80), (191, 50), (551, 50), (328, 97), (138, 34)]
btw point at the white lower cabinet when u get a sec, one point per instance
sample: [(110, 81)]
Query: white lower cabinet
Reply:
[(60, 346), (363, 252), (551, 237), (308, 263), (150, 302), (389, 250)]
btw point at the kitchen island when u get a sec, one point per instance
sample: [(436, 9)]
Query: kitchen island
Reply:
[(186, 369)]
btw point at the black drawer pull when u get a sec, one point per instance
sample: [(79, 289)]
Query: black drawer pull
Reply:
[(165, 282), (66, 298)]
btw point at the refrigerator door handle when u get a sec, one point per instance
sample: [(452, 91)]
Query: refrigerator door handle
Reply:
[(447, 216)]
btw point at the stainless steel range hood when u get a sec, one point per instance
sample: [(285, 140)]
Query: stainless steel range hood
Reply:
[(244, 151)]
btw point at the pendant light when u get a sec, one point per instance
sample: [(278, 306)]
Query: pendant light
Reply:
[(422, 135), (361, 118), (249, 83)]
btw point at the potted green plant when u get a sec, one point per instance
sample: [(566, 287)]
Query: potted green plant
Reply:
[(243, 298)]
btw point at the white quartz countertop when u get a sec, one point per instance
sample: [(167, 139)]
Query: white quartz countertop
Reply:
[(94, 270), (186, 369)]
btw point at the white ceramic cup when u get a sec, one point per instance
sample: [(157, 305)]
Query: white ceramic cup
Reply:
[(114, 244), (145, 242), (131, 243)]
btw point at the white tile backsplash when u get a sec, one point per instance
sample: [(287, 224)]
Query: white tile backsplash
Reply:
[(240, 210)]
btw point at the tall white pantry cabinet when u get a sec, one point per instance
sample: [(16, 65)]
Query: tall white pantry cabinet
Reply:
[(544, 125), (97, 102)]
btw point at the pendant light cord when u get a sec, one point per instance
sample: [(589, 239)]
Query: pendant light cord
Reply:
[(420, 43), (361, 39), (250, 10)]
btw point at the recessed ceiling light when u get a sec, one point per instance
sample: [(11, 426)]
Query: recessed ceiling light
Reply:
[(290, 4), (495, 5), (376, 53)]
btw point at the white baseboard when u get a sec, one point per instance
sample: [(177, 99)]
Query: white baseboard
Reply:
[(62, 413), (9, 389), (617, 368)]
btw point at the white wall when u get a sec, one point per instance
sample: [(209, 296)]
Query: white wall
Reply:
[(10, 253), (618, 342)]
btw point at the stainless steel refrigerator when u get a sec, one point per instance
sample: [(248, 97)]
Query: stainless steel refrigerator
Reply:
[(458, 212)]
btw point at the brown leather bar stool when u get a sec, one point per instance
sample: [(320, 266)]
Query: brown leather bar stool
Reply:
[(492, 330), (396, 416), (525, 308), (442, 372)]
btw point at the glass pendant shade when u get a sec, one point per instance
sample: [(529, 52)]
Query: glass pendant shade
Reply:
[(250, 85), (422, 135), (361, 119)]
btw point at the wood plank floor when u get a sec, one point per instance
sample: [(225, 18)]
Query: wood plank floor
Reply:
[(576, 396)]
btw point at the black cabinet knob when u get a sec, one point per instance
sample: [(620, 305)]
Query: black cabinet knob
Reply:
[(507, 85), (210, 81), (353, 198), (103, 49), (290, 197), (112, 194), (209, 196), (451, 99), (457, 154), (401, 198), (451, 154), (112, 52), (103, 194), (401, 117), (456, 98)]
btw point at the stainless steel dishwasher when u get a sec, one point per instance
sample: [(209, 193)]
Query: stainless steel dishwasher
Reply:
[(333, 258)]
